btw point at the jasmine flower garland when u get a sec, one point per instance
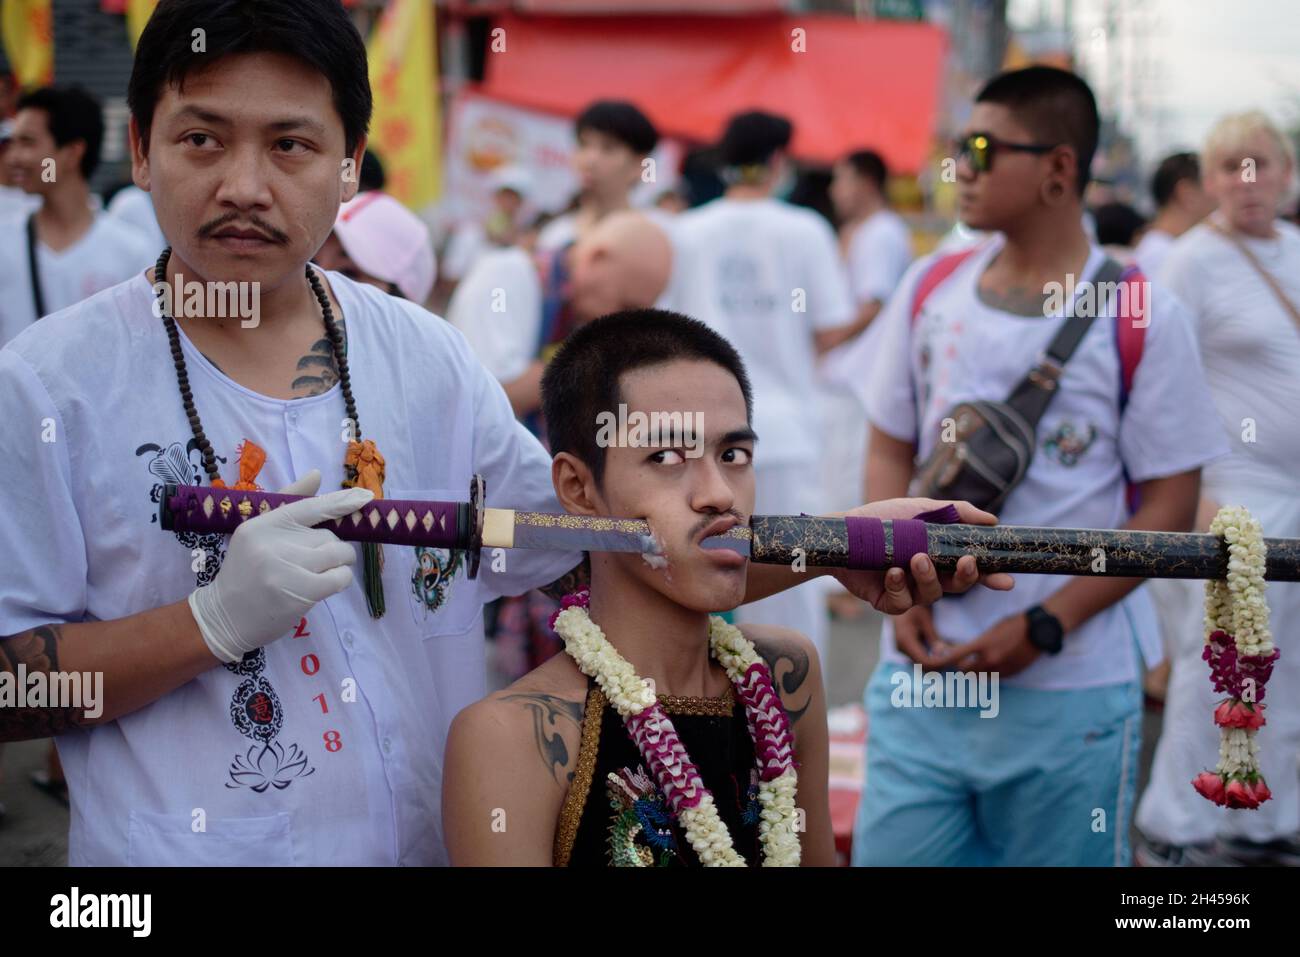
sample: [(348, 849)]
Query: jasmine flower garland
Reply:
[(652, 731)]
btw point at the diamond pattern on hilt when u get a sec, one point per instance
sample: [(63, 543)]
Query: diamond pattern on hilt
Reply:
[(410, 519), (392, 519)]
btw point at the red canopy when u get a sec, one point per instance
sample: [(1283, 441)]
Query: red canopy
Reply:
[(845, 84)]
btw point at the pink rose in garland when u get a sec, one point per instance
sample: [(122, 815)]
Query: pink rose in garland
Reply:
[(1239, 650), (1239, 794), (1232, 713), (1210, 786)]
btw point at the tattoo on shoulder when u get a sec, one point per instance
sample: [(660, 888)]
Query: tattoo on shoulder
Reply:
[(318, 370), (551, 715), (37, 651), (575, 578), (789, 665)]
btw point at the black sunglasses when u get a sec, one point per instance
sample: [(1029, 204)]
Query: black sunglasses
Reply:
[(980, 147)]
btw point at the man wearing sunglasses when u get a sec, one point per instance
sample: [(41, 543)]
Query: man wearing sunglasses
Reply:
[(1050, 779)]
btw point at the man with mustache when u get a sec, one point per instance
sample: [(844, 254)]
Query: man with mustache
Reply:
[(259, 707)]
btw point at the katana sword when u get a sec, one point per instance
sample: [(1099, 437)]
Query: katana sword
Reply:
[(768, 539)]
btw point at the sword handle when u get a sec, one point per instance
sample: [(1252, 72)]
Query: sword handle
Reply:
[(205, 510)]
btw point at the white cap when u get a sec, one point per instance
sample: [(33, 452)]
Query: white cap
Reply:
[(388, 241), (511, 177)]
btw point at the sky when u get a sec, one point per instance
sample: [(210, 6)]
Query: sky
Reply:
[(1168, 68)]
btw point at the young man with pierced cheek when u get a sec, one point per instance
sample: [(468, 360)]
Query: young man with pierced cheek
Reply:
[(550, 751)]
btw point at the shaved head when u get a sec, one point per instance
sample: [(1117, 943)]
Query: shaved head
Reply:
[(623, 262)]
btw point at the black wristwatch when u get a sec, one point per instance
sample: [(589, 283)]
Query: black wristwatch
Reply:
[(1045, 631)]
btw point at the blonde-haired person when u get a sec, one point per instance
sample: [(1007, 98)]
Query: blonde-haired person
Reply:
[(1238, 273)]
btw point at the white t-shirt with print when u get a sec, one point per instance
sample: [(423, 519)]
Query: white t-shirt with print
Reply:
[(963, 350), (498, 308), (285, 767), (108, 253), (767, 275)]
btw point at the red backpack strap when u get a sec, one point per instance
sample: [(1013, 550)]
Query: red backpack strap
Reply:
[(1131, 323), (938, 271)]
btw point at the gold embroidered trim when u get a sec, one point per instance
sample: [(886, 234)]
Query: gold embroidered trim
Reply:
[(712, 707), (566, 830)]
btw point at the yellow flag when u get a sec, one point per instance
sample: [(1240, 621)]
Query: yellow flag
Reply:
[(28, 32), (405, 129), (138, 13)]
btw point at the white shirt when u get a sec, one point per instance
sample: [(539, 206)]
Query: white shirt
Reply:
[(1151, 250), (467, 243), (108, 253), (1251, 350), (498, 307), (134, 206), (767, 275), (961, 350), (14, 201), (878, 255), (79, 526)]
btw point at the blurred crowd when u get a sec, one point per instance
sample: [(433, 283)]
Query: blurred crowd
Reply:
[(849, 372)]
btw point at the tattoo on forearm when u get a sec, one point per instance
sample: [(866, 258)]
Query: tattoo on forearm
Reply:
[(318, 370), (576, 577), (37, 651), (789, 678), (548, 713)]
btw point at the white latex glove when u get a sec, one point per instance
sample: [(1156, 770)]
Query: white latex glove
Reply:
[(276, 568)]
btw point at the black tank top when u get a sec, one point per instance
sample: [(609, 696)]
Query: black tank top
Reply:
[(614, 814)]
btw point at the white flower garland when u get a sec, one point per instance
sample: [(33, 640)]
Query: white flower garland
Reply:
[(1236, 607), (630, 695)]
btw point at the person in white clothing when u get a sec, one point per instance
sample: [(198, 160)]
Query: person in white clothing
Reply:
[(943, 786), (877, 248), (1181, 202), (767, 275), (614, 138), (76, 251), (301, 704), (1238, 272), (133, 206)]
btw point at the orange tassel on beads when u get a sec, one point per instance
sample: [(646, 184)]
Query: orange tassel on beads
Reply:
[(363, 467), (251, 460)]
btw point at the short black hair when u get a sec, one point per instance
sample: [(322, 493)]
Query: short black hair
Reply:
[(869, 165), (752, 137), (1117, 224), (582, 380), (621, 120), (1172, 171), (72, 114), (318, 32), (1055, 106)]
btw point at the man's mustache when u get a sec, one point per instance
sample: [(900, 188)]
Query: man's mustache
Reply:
[(254, 222)]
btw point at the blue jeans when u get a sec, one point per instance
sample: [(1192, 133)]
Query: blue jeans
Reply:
[(1049, 780)]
